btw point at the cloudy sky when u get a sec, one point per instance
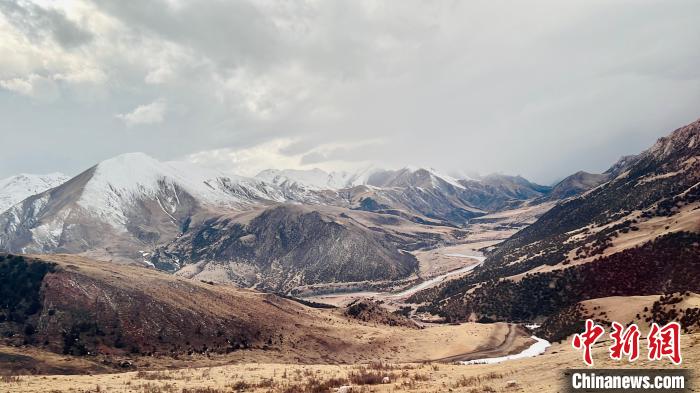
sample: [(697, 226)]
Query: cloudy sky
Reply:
[(541, 89)]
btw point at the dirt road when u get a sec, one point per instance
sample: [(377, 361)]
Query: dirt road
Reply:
[(496, 346)]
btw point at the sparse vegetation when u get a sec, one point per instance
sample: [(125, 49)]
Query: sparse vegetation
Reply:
[(668, 263)]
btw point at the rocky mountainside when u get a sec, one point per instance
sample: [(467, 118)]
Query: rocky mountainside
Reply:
[(498, 192), (15, 189), (420, 191), (660, 183), (414, 192), (581, 181), (125, 207), (649, 210), (440, 197), (282, 247), (124, 204)]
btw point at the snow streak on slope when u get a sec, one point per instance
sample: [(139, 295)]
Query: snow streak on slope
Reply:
[(16, 188)]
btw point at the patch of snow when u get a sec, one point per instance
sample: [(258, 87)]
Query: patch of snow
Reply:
[(449, 179), (538, 348)]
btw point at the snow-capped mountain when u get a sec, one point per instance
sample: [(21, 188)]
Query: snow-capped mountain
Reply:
[(316, 179), (15, 188), (411, 177), (130, 204), (425, 192), (118, 183), (439, 196), (131, 200), (417, 193)]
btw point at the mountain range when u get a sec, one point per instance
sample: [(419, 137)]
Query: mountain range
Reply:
[(288, 228), (278, 229), (142, 257)]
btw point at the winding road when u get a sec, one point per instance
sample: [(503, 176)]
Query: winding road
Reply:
[(498, 350)]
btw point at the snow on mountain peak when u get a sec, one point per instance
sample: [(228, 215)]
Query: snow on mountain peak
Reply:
[(449, 179), (119, 181), (313, 179), (14, 189), (317, 179)]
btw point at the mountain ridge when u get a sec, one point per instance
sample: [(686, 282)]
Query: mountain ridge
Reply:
[(15, 189)]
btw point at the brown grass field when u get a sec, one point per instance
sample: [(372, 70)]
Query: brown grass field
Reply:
[(544, 373)]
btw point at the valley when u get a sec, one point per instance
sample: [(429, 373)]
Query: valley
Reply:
[(111, 313), (158, 276), (434, 260)]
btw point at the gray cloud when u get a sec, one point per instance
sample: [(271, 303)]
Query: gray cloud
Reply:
[(231, 33), (540, 89), (38, 23)]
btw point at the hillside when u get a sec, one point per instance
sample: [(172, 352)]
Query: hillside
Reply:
[(661, 183), (635, 235), (577, 183), (283, 247), (125, 316), (668, 264)]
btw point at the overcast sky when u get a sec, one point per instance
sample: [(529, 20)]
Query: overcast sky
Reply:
[(541, 89)]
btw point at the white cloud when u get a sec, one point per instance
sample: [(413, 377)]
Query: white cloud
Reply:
[(274, 154), (33, 85), (18, 85), (453, 85), (152, 113)]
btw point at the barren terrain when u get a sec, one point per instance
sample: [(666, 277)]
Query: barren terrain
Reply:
[(544, 373)]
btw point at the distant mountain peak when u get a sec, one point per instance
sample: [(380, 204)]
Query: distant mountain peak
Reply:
[(16, 188), (315, 178)]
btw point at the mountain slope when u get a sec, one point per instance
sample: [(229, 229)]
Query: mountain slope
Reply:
[(127, 316), (577, 184), (498, 192), (124, 204), (283, 247), (581, 181), (661, 182), (440, 197), (14, 189), (650, 209)]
